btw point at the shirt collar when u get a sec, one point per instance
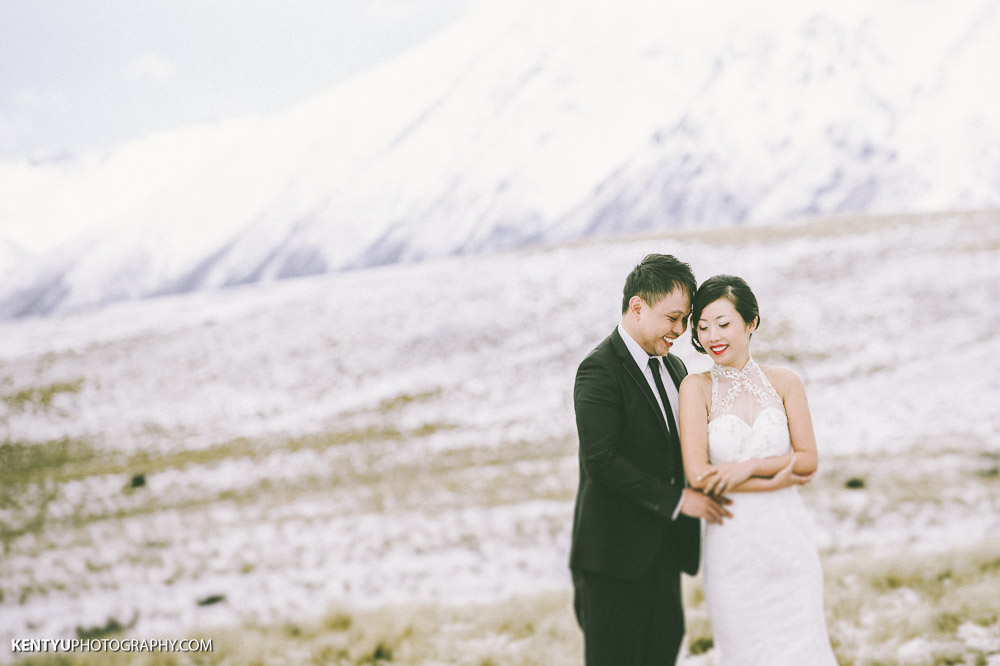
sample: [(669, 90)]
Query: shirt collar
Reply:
[(635, 349)]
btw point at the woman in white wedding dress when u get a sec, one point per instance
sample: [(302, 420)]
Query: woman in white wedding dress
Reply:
[(747, 435)]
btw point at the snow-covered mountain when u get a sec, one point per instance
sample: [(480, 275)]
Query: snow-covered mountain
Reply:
[(530, 123)]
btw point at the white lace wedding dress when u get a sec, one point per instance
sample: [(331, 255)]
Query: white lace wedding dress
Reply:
[(761, 572)]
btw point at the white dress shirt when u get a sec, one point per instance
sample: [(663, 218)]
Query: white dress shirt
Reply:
[(642, 360)]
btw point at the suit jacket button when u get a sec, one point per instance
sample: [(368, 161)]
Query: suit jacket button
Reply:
[(673, 482)]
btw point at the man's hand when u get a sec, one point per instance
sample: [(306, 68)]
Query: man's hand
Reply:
[(699, 505)]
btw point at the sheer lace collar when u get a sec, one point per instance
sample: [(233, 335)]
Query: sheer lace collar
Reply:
[(744, 393), (731, 373)]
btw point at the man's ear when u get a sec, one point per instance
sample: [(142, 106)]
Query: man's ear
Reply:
[(635, 305)]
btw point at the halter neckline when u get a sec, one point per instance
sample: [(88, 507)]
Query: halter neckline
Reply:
[(726, 371)]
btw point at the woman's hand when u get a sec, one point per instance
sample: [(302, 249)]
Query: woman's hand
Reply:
[(787, 476), (718, 479)]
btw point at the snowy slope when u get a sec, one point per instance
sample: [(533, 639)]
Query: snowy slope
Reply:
[(406, 432), (532, 123)]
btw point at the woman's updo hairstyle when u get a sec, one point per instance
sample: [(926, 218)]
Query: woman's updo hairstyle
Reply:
[(733, 289)]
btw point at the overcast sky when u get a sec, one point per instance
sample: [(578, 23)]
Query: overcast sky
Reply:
[(87, 74)]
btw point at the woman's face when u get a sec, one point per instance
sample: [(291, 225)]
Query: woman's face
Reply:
[(723, 333)]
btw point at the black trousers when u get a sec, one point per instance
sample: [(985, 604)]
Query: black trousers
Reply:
[(633, 622)]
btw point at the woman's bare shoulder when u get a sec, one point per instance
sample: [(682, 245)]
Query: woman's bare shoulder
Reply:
[(697, 381)]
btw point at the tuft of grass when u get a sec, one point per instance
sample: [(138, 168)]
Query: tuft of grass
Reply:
[(109, 628), (382, 653), (403, 399), (701, 645), (338, 622), (21, 462), (39, 396), (29, 482)]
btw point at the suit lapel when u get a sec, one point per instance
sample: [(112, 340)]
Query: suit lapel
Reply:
[(640, 379), (675, 373)]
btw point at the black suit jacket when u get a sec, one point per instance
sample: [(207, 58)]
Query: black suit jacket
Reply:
[(631, 474)]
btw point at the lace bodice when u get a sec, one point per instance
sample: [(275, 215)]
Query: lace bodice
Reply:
[(747, 417)]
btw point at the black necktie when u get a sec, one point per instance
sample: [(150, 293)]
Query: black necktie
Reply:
[(676, 460), (654, 365)]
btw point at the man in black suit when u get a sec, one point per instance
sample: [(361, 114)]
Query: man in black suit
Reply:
[(636, 526)]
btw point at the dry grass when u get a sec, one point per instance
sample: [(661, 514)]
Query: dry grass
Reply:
[(529, 630), (916, 607), (39, 397), (921, 608)]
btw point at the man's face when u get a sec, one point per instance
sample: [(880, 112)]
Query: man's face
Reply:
[(659, 325)]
